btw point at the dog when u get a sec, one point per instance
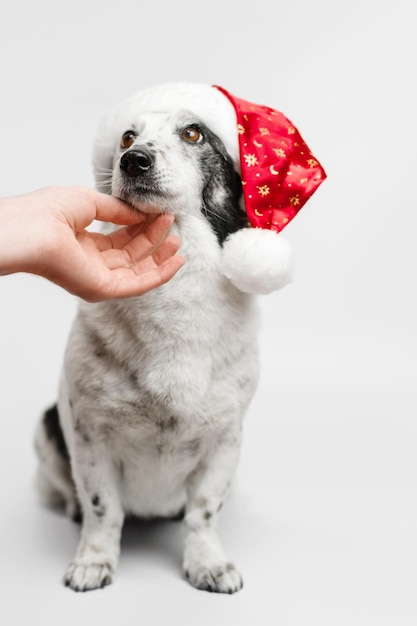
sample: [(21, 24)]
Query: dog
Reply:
[(154, 389)]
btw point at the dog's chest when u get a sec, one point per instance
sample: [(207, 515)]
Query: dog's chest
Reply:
[(172, 350), (153, 463)]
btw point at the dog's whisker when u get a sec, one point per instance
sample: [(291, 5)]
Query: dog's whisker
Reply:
[(106, 175), (99, 168), (215, 214), (107, 187)]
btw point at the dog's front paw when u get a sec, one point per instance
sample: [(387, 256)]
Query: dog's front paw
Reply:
[(220, 578), (88, 576)]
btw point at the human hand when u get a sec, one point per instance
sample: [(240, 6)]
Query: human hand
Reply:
[(44, 233)]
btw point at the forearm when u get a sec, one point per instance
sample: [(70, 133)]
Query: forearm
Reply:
[(20, 239)]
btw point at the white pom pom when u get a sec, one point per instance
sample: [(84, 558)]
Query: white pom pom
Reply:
[(257, 260)]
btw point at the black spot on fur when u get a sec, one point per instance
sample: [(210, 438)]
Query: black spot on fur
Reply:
[(222, 186), (207, 515), (172, 423), (169, 424), (98, 508), (177, 516), (77, 516), (54, 431), (95, 500), (81, 432), (121, 468), (106, 581), (100, 347)]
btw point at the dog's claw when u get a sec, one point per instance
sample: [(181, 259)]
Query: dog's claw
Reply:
[(85, 577)]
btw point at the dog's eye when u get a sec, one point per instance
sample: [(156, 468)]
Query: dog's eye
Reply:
[(192, 135), (127, 139)]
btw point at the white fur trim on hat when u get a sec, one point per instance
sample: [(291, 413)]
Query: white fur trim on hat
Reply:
[(257, 261)]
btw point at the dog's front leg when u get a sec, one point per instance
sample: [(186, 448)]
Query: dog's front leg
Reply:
[(205, 564), (98, 551)]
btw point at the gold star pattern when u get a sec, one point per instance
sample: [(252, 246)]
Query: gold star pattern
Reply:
[(279, 171), (280, 152), (251, 160), (263, 190)]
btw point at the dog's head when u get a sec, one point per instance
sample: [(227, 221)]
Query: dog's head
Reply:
[(169, 160), (176, 148)]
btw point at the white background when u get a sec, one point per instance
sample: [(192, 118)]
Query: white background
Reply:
[(322, 519)]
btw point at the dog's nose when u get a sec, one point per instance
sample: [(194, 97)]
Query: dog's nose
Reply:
[(135, 162)]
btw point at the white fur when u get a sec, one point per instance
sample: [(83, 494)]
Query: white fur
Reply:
[(154, 390)]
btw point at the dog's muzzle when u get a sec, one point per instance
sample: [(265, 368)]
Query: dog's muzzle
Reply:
[(135, 162)]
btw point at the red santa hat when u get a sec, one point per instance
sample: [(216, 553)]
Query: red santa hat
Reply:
[(279, 174), (278, 171)]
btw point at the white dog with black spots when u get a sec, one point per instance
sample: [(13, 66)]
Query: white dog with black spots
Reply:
[(154, 389)]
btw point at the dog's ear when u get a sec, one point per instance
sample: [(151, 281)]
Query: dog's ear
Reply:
[(221, 201)]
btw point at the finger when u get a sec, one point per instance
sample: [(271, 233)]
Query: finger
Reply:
[(143, 244), (141, 247), (119, 238), (137, 258), (157, 229), (146, 235), (116, 240), (153, 278), (112, 209), (80, 206), (170, 267), (125, 283), (167, 249)]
